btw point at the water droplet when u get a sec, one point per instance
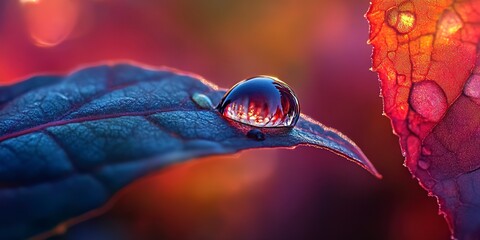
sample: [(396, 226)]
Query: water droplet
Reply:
[(256, 134), (472, 88), (423, 164), (428, 100), (402, 21), (202, 101), (426, 151), (449, 24), (261, 101)]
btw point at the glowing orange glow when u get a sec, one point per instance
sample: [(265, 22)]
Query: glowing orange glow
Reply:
[(50, 22)]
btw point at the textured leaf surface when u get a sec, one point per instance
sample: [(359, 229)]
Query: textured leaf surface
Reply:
[(68, 144), (426, 55)]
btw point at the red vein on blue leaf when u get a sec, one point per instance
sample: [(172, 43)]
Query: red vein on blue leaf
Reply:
[(87, 119)]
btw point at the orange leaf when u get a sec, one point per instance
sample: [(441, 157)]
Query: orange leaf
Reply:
[(425, 53)]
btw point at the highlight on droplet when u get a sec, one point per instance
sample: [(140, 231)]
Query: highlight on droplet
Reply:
[(50, 22), (402, 21)]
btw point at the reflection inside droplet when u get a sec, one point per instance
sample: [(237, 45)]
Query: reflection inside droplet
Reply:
[(261, 101)]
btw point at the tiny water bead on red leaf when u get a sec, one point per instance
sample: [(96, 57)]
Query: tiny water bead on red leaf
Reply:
[(401, 18), (261, 101)]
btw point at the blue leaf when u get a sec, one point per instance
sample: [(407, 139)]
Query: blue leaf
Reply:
[(68, 144)]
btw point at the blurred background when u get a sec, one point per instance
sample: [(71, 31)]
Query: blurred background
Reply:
[(317, 46)]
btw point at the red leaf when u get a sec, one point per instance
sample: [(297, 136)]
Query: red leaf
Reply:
[(425, 53)]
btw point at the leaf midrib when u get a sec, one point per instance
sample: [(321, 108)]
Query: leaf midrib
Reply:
[(90, 119)]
